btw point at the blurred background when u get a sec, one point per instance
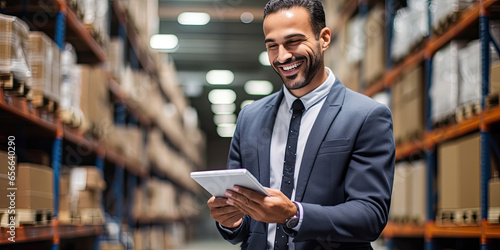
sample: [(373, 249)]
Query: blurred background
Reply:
[(107, 106)]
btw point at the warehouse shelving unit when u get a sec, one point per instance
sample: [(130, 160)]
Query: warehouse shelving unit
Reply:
[(64, 26), (476, 15)]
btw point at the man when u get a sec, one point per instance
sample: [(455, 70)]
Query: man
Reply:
[(330, 184)]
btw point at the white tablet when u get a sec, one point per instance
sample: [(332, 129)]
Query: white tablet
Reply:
[(217, 182)]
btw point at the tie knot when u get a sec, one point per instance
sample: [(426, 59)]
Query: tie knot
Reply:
[(297, 106)]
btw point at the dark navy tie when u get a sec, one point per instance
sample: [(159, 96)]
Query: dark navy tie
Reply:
[(281, 241)]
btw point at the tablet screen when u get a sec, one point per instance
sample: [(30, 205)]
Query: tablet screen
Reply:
[(217, 182)]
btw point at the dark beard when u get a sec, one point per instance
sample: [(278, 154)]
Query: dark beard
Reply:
[(311, 70)]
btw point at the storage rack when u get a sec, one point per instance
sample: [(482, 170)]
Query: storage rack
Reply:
[(476, 14), (64, 26)]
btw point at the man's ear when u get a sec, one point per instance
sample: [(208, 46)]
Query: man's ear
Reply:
[(325, 38)]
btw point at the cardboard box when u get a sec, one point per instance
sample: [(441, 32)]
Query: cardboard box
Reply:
[(64, 185), (417, 188), (495, 77), (412, 94), (33, 177), (33, 199), (99, 111), (4, 181), (40, 60), (400, 194), (459, 173), (34, 187), (64, 202), (14, 47), (88, 199), (374, 59)]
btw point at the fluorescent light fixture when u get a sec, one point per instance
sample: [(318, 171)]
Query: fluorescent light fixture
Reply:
[(193, 18), (220, 77), (255, 87), (221, 109), (164, 41), (224, 119), (226, 130), (246, 17), (222, 96), (246, 102), (264, 59)]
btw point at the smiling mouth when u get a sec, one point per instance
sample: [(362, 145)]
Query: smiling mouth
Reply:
[(291, 69)]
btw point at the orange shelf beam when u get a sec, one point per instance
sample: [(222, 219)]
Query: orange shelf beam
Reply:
[(403, 231), (75, 25), (491, 231), (455, 232)]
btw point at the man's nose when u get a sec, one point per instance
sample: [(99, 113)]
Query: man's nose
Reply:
[(283, 54)]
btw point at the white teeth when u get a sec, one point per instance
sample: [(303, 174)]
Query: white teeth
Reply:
[(292, 66)]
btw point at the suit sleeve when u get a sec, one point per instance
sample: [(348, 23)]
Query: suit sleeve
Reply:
[(234, 161), (368, 187)]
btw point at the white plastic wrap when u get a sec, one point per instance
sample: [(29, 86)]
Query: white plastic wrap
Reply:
[(405, 38), (356, 39), (495, 34), (14, 46), (445, 82), (470, 73), (442, 9)]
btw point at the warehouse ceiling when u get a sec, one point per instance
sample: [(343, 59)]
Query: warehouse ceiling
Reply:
[(225, 43)]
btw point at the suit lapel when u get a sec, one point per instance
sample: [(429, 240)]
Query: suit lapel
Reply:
[(327, 114), (264, 140)]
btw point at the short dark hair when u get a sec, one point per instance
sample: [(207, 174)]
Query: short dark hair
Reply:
[(314, 7)]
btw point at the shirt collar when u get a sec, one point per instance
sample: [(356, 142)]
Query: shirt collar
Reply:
[(313, 97)]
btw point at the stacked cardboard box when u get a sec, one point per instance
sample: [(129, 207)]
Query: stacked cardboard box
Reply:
[(417, 196), (167, 161), (34, 187), (494, 200), (116, 58), (495, 77), (4, 177), (459, 181), (400, 202), (95, 102), (408, 104), (408, 196), (86, 186), (14, 48), (156, 200), (374, 59)]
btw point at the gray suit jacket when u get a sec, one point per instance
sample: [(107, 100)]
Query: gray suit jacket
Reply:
[(346, 174)]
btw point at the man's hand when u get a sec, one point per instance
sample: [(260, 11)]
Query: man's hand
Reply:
[(227, 215), (275, 208)]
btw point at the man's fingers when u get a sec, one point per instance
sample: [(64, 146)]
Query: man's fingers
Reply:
[(231, 218), (250, 194), (215, 202), (244, 207), (227, 209)]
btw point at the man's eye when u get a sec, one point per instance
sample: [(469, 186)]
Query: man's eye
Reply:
[(294, 42), (272, 46)]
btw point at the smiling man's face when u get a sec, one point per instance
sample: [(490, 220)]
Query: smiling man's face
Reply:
[(294, 52)]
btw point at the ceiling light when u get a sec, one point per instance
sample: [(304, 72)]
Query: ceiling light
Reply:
[(226, 130), (246, 17), (193, 18), (222, 96), (255, 87), (220, 77), (264, 59), (224, 119), (164, 41), (220, 109), (246, 102)]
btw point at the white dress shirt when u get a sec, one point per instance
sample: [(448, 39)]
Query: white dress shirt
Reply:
[(313, 102)]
